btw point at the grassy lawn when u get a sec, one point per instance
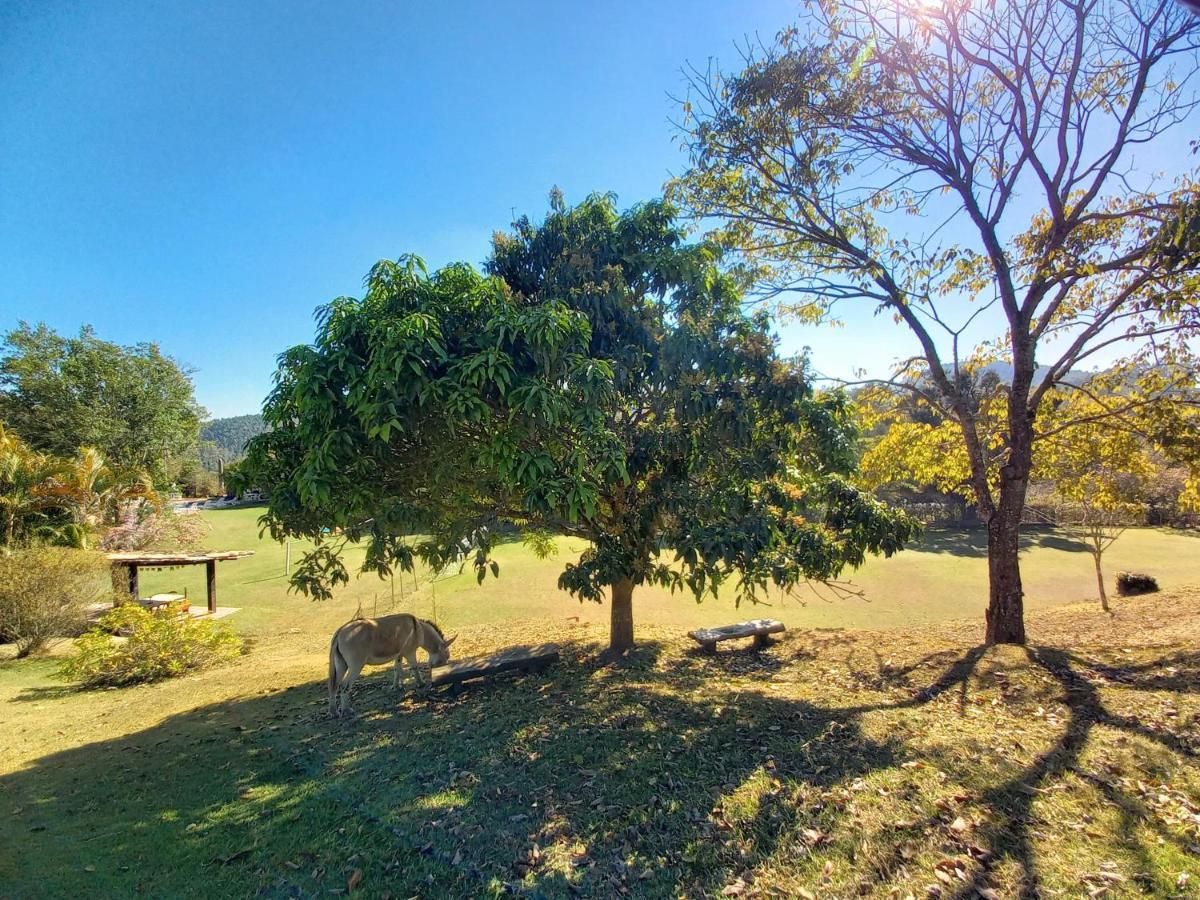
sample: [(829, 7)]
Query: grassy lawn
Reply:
[(840, 762), (942, 578)]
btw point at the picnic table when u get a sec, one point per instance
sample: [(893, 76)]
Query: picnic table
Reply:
[(759, 629)]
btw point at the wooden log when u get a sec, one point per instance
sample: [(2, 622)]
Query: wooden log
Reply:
[(524, 658), (758, 629)]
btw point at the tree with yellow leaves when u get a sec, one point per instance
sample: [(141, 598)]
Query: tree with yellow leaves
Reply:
[(953, 163), (1099, 444)]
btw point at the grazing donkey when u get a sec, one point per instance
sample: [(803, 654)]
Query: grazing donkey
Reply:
[(379, 641)]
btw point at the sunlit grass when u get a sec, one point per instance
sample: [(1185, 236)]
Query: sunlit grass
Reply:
[(941, 578), (837, 762)]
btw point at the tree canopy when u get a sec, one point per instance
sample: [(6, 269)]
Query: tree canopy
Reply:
[(601, 379), (956, 163), (133, 405), (1100, 443)]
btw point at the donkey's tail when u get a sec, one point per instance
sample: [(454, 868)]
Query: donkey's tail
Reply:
[(334, 654)]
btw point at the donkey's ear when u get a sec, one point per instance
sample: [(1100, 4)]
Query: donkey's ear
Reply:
[(451, 640)]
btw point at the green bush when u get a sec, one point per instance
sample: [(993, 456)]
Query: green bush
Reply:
[(149, 646), (45, 593)]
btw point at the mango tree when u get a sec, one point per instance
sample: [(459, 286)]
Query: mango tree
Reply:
[(601, 380)]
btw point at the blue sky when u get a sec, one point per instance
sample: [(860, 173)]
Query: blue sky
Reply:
[(204, 175)]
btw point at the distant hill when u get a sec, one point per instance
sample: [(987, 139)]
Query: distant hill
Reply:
[(225, 439), (1004, 371)]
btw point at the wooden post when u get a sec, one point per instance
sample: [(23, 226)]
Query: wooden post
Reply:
[(118, 583), (211, 567), (133, 582), (287, 558)]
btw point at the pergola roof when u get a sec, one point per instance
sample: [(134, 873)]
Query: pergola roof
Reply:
[(174, 558)]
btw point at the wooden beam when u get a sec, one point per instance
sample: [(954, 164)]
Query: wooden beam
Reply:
[(211, 571), (133, 582), (147, 558), (525, 658)]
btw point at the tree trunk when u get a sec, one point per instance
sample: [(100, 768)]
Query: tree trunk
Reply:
[(1006, 605), (621, 634), (1006, 608), (1100, 583), (1006, 596)]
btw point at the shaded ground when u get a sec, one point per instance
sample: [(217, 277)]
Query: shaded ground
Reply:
[(835, 763)]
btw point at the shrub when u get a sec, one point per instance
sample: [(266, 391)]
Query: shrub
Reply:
[(45, 592), (1131, 583), (154, 645)]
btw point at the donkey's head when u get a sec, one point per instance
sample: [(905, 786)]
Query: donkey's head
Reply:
[(439, 652)]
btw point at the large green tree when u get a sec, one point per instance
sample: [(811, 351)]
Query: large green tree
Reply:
[(134, 405), (957, 164), (601, 380)]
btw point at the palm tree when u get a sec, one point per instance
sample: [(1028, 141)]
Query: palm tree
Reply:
[(25, 476), (90, 492), (95, 493)]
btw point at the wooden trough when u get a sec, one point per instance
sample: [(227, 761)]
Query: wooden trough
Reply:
[(524, 659), (708, 638)]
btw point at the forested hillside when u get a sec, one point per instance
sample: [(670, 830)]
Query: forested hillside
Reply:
[(225, 439)]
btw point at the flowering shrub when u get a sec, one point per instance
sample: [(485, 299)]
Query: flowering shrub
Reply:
[(152, 646), (148, 529)]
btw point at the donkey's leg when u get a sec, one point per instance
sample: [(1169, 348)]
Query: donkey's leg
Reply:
[(398, 673), (353, 670), (411, 656)]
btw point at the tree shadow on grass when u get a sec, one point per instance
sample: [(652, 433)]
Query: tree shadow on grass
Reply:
[(44, 692), (1015, 797), (588, 781), (1178, 673), (583, 781), (972, 542)]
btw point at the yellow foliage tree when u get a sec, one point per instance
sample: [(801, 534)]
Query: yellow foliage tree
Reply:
[(893, 157)]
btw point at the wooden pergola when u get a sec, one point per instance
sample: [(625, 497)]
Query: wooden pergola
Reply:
[(132, 561)]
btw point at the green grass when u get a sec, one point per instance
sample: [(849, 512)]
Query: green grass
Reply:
[(838, 762), (942, 578)]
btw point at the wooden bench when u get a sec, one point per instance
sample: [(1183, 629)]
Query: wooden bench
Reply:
[(708, 638), (524, 659)]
